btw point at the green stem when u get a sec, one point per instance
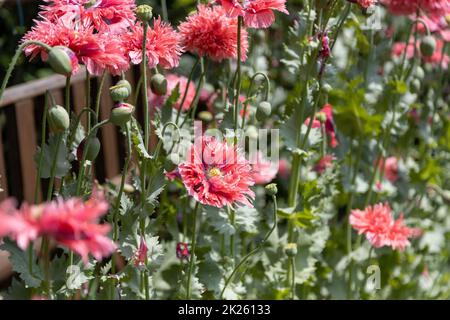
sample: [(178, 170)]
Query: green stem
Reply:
[(88, 98), (191, 74), (232, 217), (53, 168), (193, 244), (144, 91), (292, 260), (15, 59), (238, 79), (99, 96), (254, 251)]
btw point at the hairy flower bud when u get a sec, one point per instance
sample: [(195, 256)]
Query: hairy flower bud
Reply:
[(205, 116), (58, 119), (158, 84), (144, 13), (93, 149), (290, 249), (121, 91), (264, 110), (272, 189), (121, 113), (62, 60), (427, 46)]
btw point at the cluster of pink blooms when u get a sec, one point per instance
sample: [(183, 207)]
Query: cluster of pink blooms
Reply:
[(390, 166), (255, 13), (210, 32), (217, 174), (102, 35), (327, 110), (172, 81), (365, 3), (407, 7), (72, 223), (380, 228)]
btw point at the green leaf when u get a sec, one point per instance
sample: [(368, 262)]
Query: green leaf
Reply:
[(49, 151), (138, 142), (167, 109), (20, 261), (302, 219)]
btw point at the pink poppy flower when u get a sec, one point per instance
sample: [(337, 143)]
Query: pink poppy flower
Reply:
[(327, 110), (210, 32), (172, 81), (325, 162), (72, 223), (380, 228), (390, 166), (263, 170), (284, 168), (163, 46), (256, 13), (437, 24), (217, 174), (113, 16), (98, 51), (365, 3)]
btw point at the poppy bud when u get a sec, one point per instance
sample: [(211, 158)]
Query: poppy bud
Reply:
[(62, 60), (144, 13), (264, 110), (415, 86), (427, 46), (252, 132), (121, 91), (158, 84), (327, 88), (205, 116), (93, 149), (272, 189), (419, 73), (58, 119), (290, 249), (121, 113)]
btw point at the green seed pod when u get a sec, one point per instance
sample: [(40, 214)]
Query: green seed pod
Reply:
[(121, 113), (251, 132), (205, 116), (121, 91), (93, 149), (415, 85), (427, 46), (61, 59), (290, 249), (419, 73), (264, 110), (272, 189), (326, 87), (144, 13), (58, 119), (158, 84)]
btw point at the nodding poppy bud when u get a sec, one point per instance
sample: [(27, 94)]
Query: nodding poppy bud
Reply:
[(158, 84), (92, 151), (290, 249), (272, 189), (205, 116), (121, 113), (427, 46), (58, 119), (144, 13), (62, 60), (121, 91), (264, 110), (415, 86)]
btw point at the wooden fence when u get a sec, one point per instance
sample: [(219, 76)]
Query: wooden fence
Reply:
[(21, 111)]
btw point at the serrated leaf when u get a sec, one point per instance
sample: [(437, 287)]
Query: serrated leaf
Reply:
[(48, 153), (20, 261), (167, 108)]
